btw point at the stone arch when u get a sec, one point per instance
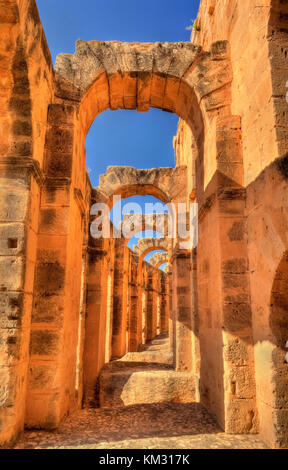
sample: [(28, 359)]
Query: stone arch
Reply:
[(183, 79), (162, 183), (127, 75), (176, 77), (142, 75), (151, 222), (194, 84), (159, 264), (158, 259), (146, 245)]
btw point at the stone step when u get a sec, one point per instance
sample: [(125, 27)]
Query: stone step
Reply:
[(158, 356), (158, 347), (141, 383)]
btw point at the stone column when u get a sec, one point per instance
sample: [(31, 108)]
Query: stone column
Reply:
[(120, 289), (227, 363), (196, 359), (20, 184), (239, 380), (57, 290), (133, 311), (171, 310), (144, 303), (150, 304), (164, 306), (159, 300), (110, 297), (95, 325), (140, 302), (149, 309), (183, 315), (155, 302), (81, 328)]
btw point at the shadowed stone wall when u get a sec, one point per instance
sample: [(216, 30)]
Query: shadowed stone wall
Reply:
[(227, 300)]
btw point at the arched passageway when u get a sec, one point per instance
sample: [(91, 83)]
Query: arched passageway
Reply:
[(114, 75), (136, 294), (70, 300)]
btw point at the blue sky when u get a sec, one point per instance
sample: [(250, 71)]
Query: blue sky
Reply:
[(126, 137), (65, 21), (121, 137)]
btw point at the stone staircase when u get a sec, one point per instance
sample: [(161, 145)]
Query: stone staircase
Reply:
[(145, 377)]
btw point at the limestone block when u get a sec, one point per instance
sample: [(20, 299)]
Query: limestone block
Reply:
[(13, 203), (241, 417), (48, 309), (14, 345), (12, 239), (49, 278), (43, 411), (45, 342), (43, 376), (12, 273), (54, 220), (14, 308)]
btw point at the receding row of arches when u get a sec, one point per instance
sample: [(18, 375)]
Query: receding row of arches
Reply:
[(64, 323)]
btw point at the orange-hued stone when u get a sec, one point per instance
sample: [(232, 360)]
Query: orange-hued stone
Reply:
[(89, 322)]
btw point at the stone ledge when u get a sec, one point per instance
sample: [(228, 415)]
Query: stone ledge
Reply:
[(130, 387), (33, 167)]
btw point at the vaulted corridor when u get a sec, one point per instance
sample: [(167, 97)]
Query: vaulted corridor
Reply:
[(100, 345)]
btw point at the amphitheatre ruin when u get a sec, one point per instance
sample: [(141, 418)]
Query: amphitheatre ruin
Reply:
[(88, 325)]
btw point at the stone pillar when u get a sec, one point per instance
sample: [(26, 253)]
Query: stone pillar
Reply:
[(183, 315), (196, 359), (140, 292), (155, 302), (57, 290), (159, 300), (81, 328), (120, 289), (20, 184), (239, 380), (144, 303), (164, 302), (171, 310), (227, 363), (95, 325), (238, 360), (110, 297), (133, 310), (149, 309)]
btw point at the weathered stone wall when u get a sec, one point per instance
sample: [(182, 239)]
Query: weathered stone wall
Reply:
[(267, 215), (227, 302), (26, 89), (257, 36)]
